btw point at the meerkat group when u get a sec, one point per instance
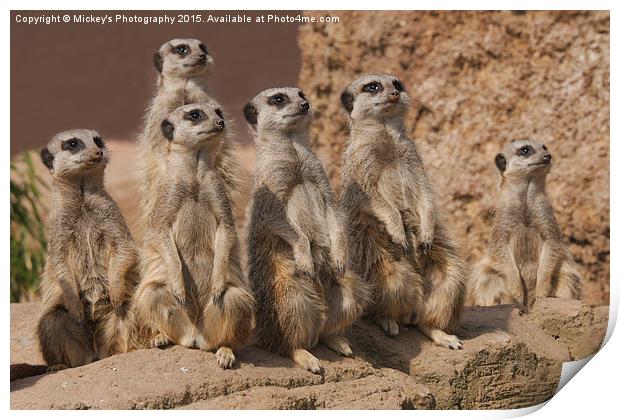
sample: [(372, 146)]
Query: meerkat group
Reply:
[(315, 262)]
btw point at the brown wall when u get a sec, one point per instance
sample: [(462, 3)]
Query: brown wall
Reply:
[(101, 76)]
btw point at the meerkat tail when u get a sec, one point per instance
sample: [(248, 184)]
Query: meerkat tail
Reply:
[(62, 340)]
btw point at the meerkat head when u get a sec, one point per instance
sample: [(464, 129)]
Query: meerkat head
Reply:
[(195, 125), (75, 153), (523, 159), (182, 58), (278, 110), (375, 97)]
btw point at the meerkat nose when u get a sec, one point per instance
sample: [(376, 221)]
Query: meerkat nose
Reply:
[(304, 105), (547, 158), (394, 96), (220, 124)]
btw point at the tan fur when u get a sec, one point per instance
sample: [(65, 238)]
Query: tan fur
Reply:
[(399, 244), (527, 257), (181, 81), (91, 268), (193, 291), (296, 242)]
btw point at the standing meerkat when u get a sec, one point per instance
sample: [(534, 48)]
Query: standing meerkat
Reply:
[(296, 242), (92, 261), (182, 66), (193, 291), (526, 256), (399, 245)]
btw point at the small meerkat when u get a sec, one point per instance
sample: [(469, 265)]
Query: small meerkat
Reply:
[(526, 258), (183, 66), (296, 241), (193, 291), (92, 261), (399, 244)]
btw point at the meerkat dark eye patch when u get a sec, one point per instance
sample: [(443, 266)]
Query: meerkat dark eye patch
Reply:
[(279, 100), (167, 129), (98, 141), (158, 61), (73, 145), (250, 113), (500, 162), (525, 150), (203, 48), (544, 147), (398, 85), (372, 87), (347, 100), (47, 158), (219, 113), (182, 50), (195, 116)]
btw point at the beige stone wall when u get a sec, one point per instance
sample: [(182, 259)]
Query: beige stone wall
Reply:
[(480, 80)]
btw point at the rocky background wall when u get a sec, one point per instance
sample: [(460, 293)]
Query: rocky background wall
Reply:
[(480, 80)]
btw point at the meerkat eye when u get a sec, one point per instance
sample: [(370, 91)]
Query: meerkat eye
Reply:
[(195, 115), (203, 48), (182, 50), (72, 145), (278, 100), (98, 142), (219, 113), (372, 87), (302, 95), (525, 151)]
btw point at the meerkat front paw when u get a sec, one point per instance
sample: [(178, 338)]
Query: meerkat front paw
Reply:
[(217, 295), (57, 367), (338, 259), (389, 326), (338, 344), (160, 340), (307, 360), (426, 243), (225, 357)]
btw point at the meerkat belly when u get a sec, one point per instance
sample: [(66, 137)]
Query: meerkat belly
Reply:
[(526, 246), (89, 255), (398, 183), (194, 235), (306, 208)]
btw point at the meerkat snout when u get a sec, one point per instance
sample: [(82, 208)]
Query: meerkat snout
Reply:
[(185, 57), (73, 152), (375, 96)]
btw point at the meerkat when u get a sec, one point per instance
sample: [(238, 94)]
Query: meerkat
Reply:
[(399, 244), (296, 243), (193, 291), (92, 261), (182, 66), (526, 256)]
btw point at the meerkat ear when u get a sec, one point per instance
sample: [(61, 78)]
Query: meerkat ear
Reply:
[(158, 61), (347, 100), (250, 113), (500, 162), (167, 129), (47, 158)]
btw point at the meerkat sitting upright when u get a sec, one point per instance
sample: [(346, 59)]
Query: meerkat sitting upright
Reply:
[(526, 256), (399, 245), (193, 291), (296, 242), (92, 261), (182, 66)]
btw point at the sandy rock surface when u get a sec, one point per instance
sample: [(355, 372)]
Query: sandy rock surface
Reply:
[(480, 80), (508, 361)]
